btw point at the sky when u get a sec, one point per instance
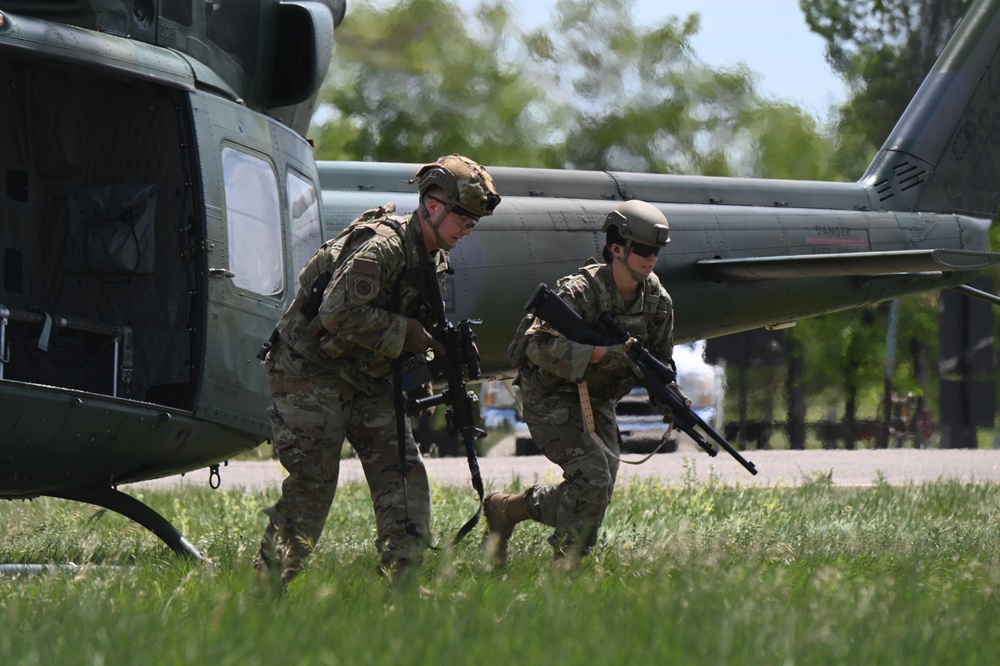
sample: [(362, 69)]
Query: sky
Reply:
[(770, 37)]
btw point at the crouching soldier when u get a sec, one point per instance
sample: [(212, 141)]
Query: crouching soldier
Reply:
[(570, 390)]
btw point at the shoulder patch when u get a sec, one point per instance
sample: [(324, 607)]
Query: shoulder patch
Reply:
[(361, 287), (362, 279)]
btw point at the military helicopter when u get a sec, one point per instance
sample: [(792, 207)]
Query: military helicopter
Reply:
[(159, 197)]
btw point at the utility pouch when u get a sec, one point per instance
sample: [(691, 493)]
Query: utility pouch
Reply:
[(310, 305), (516, 352)]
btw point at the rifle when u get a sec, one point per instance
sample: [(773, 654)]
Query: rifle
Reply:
[(458, 366), (653, 374)]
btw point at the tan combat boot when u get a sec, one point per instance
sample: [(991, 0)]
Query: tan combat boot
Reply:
[(396, 573), (502, 513), (269, 565)]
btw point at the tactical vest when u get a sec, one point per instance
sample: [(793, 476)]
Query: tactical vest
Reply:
[(303, 331), (598, 298), (635, 324)]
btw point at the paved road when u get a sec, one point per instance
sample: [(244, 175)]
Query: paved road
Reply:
[(847, 468)]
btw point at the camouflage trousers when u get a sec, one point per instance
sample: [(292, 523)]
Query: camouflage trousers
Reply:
[(311, 416), (576, 506)]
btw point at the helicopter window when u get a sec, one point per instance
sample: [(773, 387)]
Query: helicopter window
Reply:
[(253, 216), (303, 211)]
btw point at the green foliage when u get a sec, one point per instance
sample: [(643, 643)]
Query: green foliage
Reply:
[(589, 90), (883, 49), (698, 572), (412, 81), (638, 98), (849, 348), (786, 143)]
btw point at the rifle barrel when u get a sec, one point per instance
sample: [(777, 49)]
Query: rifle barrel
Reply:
[(656, 375)]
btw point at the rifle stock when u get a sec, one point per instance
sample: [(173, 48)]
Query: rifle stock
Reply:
[(654, 375)]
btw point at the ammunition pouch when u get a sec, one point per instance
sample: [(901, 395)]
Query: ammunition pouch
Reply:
[(517, 351)]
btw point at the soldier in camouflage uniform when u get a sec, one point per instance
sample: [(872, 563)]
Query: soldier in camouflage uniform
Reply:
[(329, 369), (563, 382)]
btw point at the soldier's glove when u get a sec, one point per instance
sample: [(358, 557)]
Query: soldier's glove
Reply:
[(677, 389), (617, 359), (668, 416), (419, 340), (668, 413)]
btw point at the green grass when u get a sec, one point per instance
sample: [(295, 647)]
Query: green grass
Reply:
[(694, 573)]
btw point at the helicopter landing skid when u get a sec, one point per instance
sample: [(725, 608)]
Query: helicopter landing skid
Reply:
[(131, 508)]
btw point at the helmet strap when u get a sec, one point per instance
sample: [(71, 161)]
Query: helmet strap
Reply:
[(434, 224), (634, 274)]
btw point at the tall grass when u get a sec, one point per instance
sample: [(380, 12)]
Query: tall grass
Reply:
[(698, 573)]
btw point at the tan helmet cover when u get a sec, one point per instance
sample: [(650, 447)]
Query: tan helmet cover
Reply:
[(639, 222), (467, 186)]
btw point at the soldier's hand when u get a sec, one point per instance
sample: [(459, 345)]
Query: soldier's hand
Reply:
[(418, 339), (617, 358), (677, 389), (668, 416)]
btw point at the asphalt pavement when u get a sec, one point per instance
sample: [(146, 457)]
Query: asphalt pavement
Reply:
[(774, 468)]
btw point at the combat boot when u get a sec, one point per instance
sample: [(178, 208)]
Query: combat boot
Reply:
[(269, 572), (566, 560), (502, 513), (396, 573)]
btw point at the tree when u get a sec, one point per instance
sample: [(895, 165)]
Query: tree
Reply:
[(590, 90), (638, 97), (411, 81), (785, 142), (883, 49)]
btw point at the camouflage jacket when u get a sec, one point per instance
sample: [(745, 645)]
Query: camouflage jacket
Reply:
[(360, 324), (554, 365)]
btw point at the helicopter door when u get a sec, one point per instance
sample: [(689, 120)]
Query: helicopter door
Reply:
[(246, 275)]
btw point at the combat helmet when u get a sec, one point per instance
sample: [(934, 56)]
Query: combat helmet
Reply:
[(467, 187), (639, 222)]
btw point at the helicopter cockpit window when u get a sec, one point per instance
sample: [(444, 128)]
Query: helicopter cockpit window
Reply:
[(234, 26), (304, 213), (253, 216)]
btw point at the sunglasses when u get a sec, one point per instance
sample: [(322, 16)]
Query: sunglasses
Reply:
[(645, 250), (461, 212)]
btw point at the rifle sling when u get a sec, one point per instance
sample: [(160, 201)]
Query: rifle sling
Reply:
[(399, 404), (588, 426)]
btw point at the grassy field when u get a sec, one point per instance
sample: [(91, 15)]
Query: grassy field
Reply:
[(696, 573)]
